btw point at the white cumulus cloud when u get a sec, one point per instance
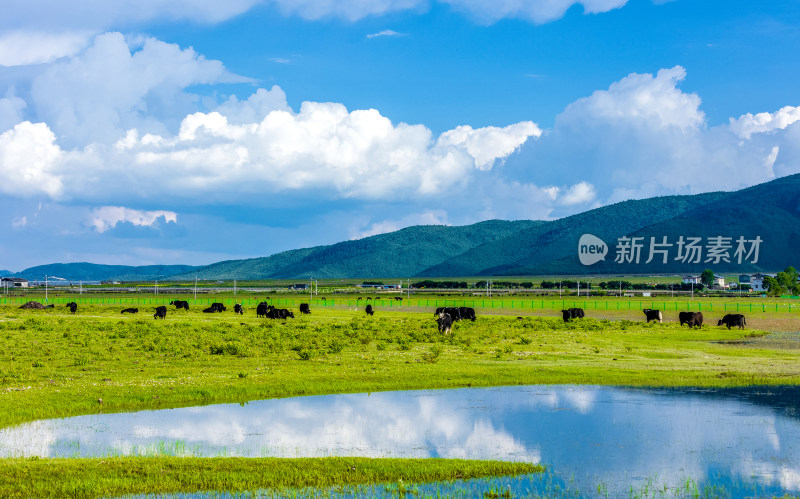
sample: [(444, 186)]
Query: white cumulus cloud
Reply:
[(352, 154), (29, 158), (582, 192), (242, 150), (109, 88), (644, 100), (255, 107), (11, 108), (644, 136), (19, 48), (107, 217), (490, 143), (747, 125)]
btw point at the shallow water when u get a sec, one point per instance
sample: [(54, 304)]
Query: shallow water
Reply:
[(594, 440)]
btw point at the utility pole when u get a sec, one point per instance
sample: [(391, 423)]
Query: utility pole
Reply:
[(195, 290), (234, 289)]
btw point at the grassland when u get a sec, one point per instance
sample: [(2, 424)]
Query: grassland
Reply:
[(54, 364), (116, 476)]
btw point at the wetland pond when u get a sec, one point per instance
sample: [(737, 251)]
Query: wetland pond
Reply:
[(596, 440)]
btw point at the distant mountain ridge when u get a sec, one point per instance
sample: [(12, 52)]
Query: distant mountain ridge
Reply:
[(769, 212), (402, 253), (96, 272)]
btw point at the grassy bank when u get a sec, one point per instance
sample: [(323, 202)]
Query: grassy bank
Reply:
[(54, 364), (117, 476)]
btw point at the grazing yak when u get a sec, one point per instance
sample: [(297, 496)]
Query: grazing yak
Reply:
[(217, 307), (72, 306), (130, 311), (304, 308), (50, 306), (453, 312), (692, 319), (445, 323), (161, 312), (179, 304), (733, 320), (398, 298), (572, 313), (369, 310), (209, 310), (467, 313), (237, 309), (653, 315), (268, 311)]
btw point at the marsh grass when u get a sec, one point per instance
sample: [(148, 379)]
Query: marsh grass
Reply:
[(109, 477)]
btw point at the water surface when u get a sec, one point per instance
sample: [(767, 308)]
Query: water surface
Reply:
[(588, 436)]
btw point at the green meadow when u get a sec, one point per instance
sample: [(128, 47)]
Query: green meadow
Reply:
[(55, 364)]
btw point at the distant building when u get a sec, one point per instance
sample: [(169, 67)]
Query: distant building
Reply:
[(757, 281), (14, 282), (719, 282), (744, 279), (298, 287), (690, 279)]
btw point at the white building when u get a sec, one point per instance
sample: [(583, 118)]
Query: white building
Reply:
[(690, 279), (14, 282), (757, 281)]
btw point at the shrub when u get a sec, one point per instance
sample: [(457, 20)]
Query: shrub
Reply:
[(432, 355), (335, 346)]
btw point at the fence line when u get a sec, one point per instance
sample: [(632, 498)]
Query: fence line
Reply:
[(484, 304)]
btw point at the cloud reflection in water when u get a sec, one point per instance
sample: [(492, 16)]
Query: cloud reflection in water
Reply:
[(594, 434)]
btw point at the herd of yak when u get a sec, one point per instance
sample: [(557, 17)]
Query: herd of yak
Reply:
[(691, 319), (446, 316)]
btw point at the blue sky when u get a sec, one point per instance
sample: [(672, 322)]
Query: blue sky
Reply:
[(195, 131)]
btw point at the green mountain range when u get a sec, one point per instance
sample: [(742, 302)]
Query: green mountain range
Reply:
[(403, 253), (751, 230)]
